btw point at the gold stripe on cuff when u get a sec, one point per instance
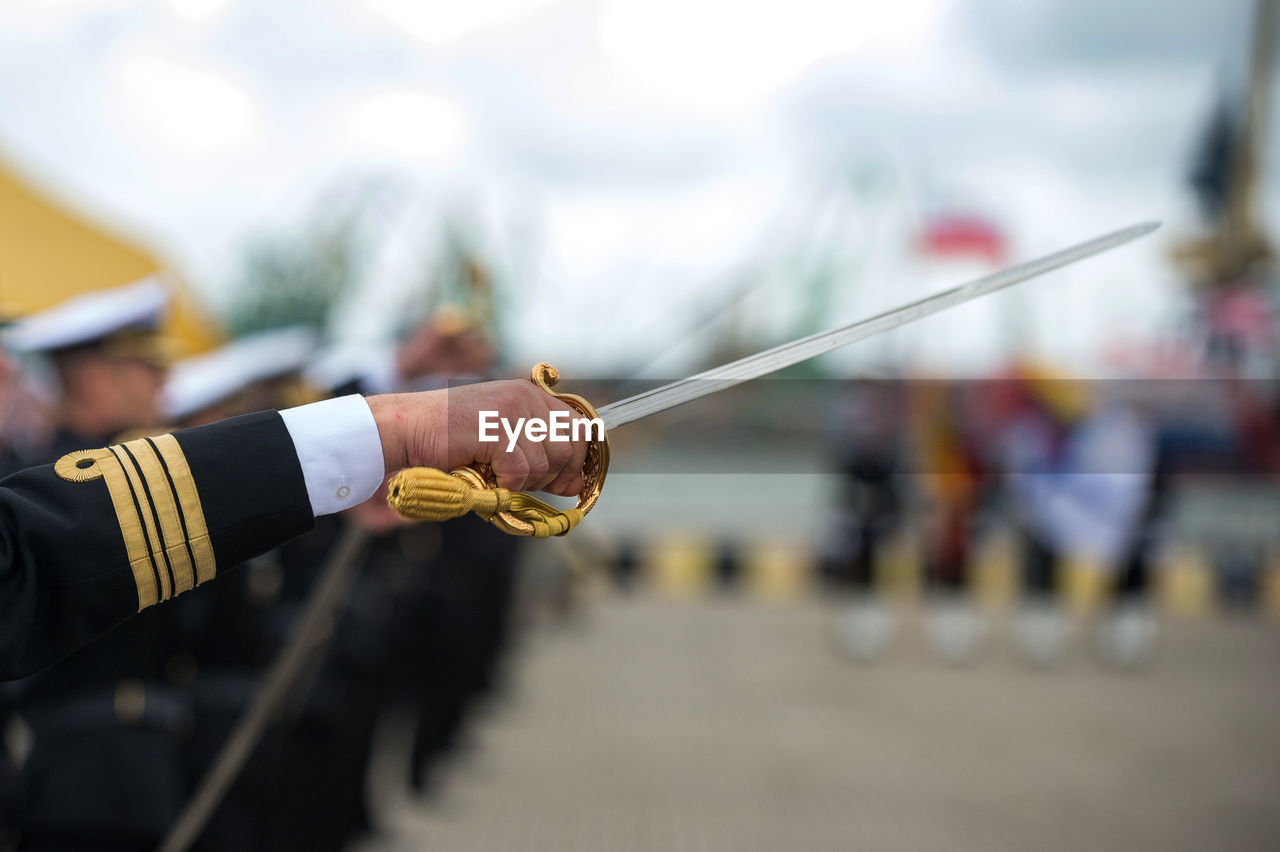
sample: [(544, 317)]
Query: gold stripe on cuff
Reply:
[(135, 542), (148, 523), (162, 499), (184, 487)]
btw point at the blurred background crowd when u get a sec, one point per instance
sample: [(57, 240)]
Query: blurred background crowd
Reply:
[(210, 207)]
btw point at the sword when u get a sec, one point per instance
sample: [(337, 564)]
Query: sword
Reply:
[(427, 494)]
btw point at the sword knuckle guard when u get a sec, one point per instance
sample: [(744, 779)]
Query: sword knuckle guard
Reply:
[(427, 494)]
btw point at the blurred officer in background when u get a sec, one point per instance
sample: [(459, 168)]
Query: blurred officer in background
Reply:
[(866, 436), (109, 359), (1080, 481), (951, 479), (233, 629), (445, 591)]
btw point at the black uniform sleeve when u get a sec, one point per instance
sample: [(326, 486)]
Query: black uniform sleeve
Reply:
[(104, 533)]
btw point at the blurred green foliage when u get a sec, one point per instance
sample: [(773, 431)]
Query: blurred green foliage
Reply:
[(297, 277), (293, 281)]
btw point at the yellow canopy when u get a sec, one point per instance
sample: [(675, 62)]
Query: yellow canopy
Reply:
[(49, 254)]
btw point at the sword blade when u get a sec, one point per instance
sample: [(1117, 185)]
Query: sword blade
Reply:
[(771, 360)]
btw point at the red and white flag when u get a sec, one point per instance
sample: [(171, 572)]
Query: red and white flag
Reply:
[(955, 235)]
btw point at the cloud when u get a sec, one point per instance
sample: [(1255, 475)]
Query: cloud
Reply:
[(441, 22), (1097, 34), (191, 108), (724, 56), (409, 124)]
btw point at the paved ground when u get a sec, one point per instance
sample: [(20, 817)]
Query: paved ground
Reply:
[(723, 725)]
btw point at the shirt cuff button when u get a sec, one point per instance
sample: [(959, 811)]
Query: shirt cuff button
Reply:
[(343, 492)]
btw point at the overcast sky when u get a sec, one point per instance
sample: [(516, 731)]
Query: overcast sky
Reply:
[(632, 161)]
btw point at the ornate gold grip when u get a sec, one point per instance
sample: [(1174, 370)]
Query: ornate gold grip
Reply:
[(426, 494)]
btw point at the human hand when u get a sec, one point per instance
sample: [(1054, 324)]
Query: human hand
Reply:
[(440, 429)]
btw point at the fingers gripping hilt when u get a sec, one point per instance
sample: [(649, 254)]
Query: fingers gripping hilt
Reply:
[(427, 494)]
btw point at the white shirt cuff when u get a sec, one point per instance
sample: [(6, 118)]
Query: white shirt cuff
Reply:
[(339, 450)]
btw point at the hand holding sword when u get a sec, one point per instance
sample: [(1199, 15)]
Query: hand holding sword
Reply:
[(438, 428), (487, 475)]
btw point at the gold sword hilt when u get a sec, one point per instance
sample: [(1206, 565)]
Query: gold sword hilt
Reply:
[(427, 494)]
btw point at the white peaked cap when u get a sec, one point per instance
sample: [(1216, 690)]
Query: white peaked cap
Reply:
[(92, 316), (197, 383), (370, 365)]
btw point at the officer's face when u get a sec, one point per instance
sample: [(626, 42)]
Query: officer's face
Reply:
[(137, 385)]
